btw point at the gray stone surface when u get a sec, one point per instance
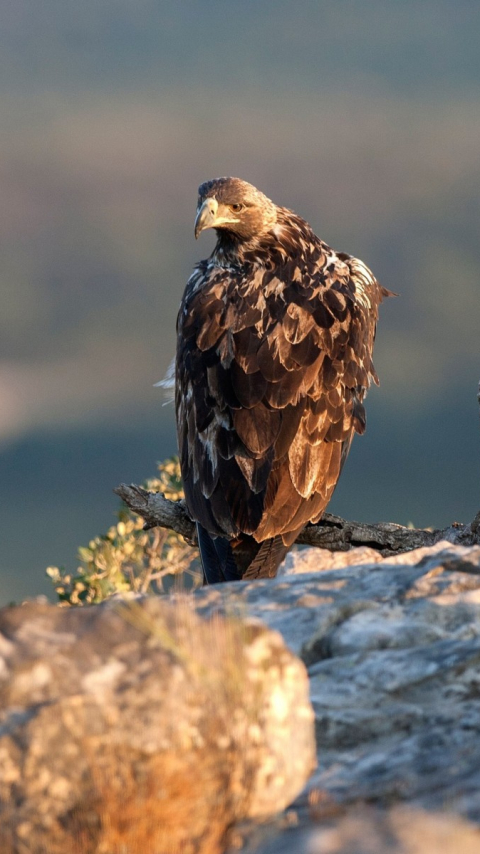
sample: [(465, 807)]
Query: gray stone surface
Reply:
[(399, 830), (393, 654)]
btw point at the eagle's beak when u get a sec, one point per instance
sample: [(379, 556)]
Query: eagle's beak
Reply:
[(206, 216)]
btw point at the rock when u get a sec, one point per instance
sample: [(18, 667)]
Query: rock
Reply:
[(299, 561), (393, 654), (392, 649), (399, 830), (137, 726)]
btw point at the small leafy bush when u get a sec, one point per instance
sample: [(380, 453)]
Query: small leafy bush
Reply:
[(127, 558)]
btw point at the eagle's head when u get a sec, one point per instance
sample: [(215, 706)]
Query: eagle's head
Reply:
[(234, 207)]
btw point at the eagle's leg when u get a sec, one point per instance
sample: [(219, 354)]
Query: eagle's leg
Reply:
[(243, 557), (217, 558)]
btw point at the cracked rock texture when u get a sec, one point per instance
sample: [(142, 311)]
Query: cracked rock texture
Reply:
[(393, 655), (139, 727)]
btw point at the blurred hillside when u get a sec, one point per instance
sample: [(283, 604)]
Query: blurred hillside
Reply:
[(365, 118)]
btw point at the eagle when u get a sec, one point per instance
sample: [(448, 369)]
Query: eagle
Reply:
[(275, 335)]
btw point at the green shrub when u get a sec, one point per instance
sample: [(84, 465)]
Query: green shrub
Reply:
[(127, 558)]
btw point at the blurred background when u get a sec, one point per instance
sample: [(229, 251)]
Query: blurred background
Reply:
[(363, 117)]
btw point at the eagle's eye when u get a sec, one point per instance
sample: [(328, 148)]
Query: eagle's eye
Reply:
[(236, 208)]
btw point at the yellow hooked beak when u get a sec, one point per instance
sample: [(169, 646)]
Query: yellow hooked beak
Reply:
[(212, 215)]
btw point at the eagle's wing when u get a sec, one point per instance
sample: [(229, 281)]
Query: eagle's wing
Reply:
[(271, 372)]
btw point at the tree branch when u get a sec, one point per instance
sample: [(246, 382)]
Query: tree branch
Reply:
[(334, 533), (158, 510)]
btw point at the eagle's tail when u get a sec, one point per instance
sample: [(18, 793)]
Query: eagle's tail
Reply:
[(241, 558)]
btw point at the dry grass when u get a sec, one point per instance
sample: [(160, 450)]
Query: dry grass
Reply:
[(179, 801), (159, 808)]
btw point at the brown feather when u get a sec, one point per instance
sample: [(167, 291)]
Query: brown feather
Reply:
[(258, 428), (249, 388)]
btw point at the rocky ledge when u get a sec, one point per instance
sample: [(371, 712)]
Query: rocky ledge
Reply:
[(193, 718), (392, 649)]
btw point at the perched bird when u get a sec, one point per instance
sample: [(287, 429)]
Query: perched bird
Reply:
[(274, 358)]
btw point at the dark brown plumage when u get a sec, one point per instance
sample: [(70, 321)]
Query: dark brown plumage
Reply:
[(274, 358)]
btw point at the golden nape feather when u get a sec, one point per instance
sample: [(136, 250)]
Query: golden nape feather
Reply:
[(274, 358)]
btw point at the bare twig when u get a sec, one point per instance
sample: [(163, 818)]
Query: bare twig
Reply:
[(158, 510), (334, 533)]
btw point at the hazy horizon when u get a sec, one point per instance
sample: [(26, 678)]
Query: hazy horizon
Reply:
[(363, 119)]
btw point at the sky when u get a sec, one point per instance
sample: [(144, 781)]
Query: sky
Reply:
[(364, 118)]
